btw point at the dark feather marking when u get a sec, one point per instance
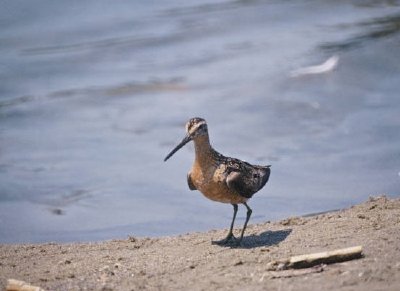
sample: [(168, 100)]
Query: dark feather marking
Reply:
[(244, 178), (190, 182)]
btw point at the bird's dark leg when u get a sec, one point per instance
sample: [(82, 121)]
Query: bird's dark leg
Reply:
[(249, 211), (235, 209), (230, 233)]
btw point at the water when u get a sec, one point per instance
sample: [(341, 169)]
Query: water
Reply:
[(93, 96)]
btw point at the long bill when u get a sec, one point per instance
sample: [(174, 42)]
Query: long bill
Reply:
[(178, 147)]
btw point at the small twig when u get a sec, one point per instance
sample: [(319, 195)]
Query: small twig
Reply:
[(309, 260), (17, 285)]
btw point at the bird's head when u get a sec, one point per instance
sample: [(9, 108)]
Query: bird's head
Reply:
[(195, 128)]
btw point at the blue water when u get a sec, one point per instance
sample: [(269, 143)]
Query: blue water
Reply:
[(94, 94)]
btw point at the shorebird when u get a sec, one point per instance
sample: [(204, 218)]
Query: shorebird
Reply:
[(220, 178)]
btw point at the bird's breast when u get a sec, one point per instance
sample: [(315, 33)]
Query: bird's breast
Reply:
[(211, 181)]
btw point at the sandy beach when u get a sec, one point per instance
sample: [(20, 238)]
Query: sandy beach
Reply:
[(190, 260)]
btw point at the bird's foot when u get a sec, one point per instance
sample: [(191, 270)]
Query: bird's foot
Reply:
[(230, 239)]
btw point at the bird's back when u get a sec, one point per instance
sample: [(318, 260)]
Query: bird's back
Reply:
[(222, 178), (244, 178)]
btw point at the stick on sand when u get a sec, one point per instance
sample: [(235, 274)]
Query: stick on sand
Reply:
[(305, 261), (16, 285)]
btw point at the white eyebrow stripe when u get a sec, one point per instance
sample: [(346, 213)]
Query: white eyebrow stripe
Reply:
[(200, 123), (194, 125)]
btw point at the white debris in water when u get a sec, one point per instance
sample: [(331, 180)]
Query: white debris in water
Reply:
[(315, 105), (328, 66)]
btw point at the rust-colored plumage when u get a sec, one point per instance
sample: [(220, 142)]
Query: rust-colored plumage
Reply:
[(221, 178)]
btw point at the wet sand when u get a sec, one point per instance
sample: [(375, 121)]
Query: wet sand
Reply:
[(191, 260)]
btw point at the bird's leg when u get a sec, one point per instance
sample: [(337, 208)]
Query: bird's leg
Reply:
[(230, 233), (249, 211)]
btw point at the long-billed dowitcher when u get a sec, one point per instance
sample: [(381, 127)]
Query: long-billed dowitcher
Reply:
[(221, 178)]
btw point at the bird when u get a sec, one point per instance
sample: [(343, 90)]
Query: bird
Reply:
[(220, 178)]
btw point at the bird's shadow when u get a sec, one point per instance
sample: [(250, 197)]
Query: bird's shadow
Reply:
[(264, 239)]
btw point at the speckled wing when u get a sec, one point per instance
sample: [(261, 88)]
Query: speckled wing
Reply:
[(246, 179), (190, 183)]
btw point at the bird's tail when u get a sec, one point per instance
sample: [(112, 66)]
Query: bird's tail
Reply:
[(265, 172)]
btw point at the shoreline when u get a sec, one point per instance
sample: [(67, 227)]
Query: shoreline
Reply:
[(176, 262)]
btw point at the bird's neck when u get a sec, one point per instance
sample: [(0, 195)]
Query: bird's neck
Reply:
[(203, 150)]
